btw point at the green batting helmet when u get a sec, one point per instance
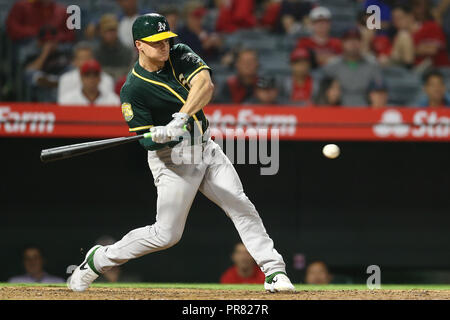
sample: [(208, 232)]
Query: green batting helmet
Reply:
[(151, 27)]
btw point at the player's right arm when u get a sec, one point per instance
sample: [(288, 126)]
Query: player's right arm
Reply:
[(138, 116)]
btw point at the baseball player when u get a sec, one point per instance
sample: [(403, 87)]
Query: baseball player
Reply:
[(165, 93)]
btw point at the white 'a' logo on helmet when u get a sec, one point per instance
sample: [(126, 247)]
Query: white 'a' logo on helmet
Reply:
[(161, 26)]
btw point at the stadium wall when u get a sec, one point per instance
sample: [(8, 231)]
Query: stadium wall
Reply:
[(384, 203)]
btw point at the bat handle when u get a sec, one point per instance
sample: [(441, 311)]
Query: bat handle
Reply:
[(149, 134)]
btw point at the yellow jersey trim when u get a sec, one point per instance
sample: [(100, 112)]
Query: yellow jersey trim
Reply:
[(160, 84), (174, 75), (195, 72), (140, 128), (172, 91)]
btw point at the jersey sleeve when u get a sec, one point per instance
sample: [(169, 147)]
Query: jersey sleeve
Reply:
[(188, 62), (138, 116), (135, 112)]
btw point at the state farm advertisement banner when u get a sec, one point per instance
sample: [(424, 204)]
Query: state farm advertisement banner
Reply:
[(292, 123)]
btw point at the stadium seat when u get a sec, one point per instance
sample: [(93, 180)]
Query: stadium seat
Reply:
[(334, 3), (257, 39), (404, 86), (275, 62)]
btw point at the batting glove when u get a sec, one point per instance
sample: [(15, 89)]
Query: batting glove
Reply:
[(175, 127), (159, 134), (179, 120)]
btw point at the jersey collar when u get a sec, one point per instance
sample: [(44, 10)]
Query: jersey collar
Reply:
[(145, 73)]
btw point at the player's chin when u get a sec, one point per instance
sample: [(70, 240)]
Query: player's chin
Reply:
[(164, 56)]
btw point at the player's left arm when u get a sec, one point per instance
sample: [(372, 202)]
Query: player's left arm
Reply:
[(200, 94), (196, 75)]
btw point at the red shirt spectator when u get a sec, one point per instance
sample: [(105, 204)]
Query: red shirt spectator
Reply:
[(302, 92), (119, 84), (301, 82), (271, 14), (330, 47), (239, 87), (231, 276), (431, 33), (27, 17), (244, 269), (381, 45), (238, 91), (235, 15), (285, 16), (320, 43)]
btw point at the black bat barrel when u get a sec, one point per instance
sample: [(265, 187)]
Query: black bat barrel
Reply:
[(73, 150)]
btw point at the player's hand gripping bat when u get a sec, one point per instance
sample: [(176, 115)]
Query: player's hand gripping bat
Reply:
[(73, 150)]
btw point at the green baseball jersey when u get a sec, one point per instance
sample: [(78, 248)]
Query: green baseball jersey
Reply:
[(150, 98)]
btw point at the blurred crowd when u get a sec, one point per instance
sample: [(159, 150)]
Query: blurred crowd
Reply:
[(243, 271), (290, 52)]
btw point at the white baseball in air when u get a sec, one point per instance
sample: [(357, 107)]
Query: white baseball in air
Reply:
[(331, 151)]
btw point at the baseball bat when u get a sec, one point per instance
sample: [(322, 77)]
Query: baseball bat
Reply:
[(73, 150)]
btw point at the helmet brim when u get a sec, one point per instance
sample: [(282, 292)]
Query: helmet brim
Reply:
[(160, 36)]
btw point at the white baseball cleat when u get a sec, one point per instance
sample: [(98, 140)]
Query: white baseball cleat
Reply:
[(84, 274), (278, 282)]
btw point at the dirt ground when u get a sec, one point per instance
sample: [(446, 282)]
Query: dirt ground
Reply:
[(58, 293)]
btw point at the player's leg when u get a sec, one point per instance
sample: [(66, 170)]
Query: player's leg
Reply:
[(177, 186), (222, 185)]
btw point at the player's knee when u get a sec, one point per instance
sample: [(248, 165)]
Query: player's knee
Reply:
[(169, 239)]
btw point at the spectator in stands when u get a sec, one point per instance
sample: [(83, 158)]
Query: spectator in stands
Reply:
[(201, 41), (33, 262), (429, 39), (353, 70), (402, 51), (271, 14), (435, 92), (27, 18), (244, 270), (420, 43), (329, 93), (114, 57), (378, 94), (376, 41), (119, 84), (286, 16), (440, 11), (43, 67), (299, 86), (90, 93), (172, 15), (317, 273), (323, 47), (422, 10), (266, 91), (71, 80), (130, 13), (239, 88), (235, 15)]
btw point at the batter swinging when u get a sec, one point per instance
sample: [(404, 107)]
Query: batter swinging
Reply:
[(164, 92)]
